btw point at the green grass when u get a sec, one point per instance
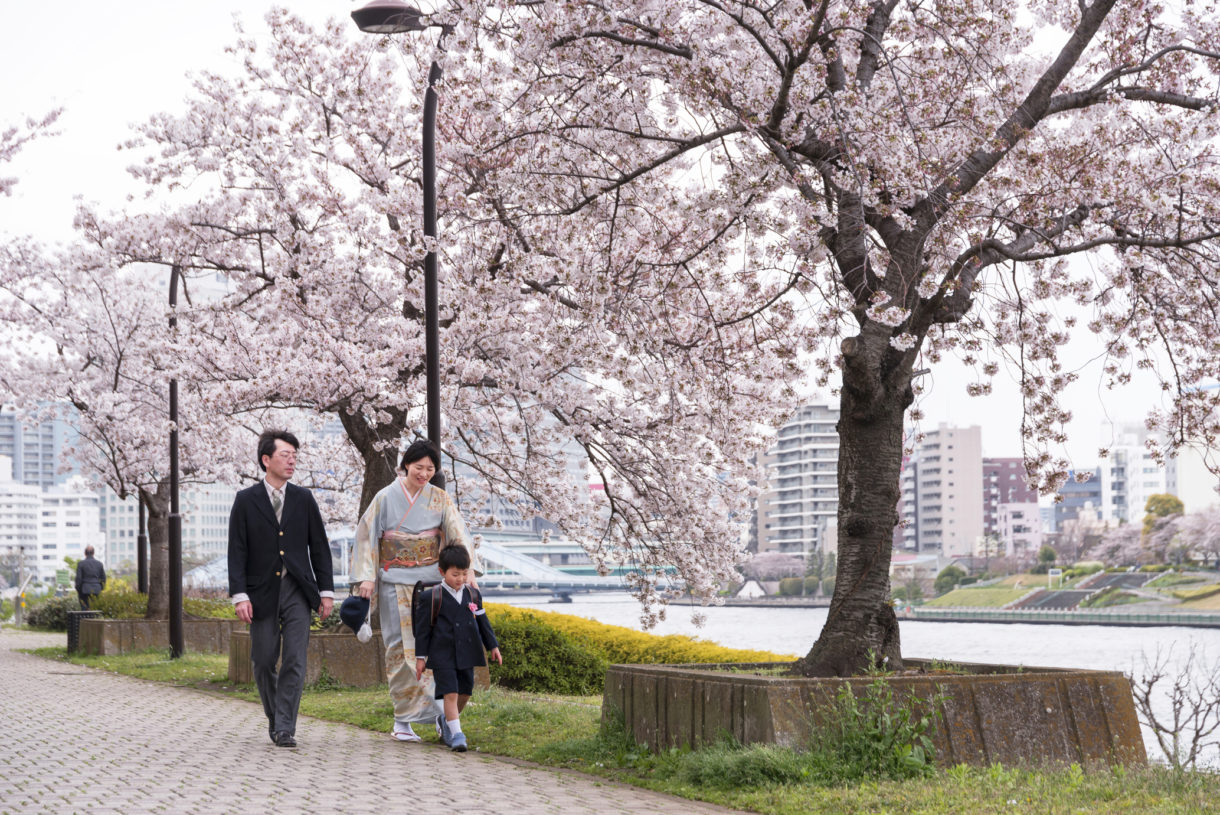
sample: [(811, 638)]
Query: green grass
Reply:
[(1170, 579), (988, 597), (566, 732), (1113, 597)]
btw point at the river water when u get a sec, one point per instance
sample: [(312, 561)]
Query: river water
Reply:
[(793, 631)]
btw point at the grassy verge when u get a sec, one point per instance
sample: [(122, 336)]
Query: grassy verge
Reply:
[(988, 597), (566, 732)]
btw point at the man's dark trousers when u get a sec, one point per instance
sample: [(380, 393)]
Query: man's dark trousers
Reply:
[(283, 637)]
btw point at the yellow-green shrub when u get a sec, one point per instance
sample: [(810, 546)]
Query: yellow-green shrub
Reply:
[(1197, 593), (620, 645)]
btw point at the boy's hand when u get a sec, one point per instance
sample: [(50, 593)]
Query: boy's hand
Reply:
[(419, 667), (495, 655)]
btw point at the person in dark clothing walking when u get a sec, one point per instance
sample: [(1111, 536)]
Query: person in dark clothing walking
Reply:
[(90, 578)]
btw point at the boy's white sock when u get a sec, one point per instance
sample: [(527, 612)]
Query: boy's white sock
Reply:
[(455, 725)]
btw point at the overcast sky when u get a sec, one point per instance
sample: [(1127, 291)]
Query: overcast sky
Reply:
[(112, 64)]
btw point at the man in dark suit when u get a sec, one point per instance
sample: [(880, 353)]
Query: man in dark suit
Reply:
[(90, 578), (279, 569)]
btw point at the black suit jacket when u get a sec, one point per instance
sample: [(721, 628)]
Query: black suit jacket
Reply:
[(90, 576), (260, 548), (458, 636)]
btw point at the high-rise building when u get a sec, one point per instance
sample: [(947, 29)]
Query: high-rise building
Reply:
[(34, 449), (1003, 483), (801, 498), (942, 492), (19, 512), (1079, 496), (1130, 475)]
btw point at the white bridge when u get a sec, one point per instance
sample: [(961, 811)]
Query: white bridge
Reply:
[(504, 569)]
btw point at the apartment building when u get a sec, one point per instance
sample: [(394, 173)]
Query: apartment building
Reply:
[(799, 504), (942, 493)]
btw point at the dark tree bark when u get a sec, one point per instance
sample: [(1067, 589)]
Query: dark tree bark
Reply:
[(157, 504), (379, 465), (861, 628)]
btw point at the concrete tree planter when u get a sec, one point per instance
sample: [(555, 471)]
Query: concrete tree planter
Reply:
[(991, 713), (105, 637), (345, 658)]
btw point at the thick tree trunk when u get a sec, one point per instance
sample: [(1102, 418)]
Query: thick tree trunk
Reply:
[(379, 465), (861, 628), (158, 552)]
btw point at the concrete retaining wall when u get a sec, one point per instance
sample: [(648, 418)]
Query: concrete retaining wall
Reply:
[(991, 714), (106, 637), (346, 659)]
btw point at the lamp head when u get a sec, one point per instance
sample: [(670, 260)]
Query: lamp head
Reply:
[(388, 17)]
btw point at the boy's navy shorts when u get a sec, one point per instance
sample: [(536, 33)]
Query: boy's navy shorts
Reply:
[(453, 680)]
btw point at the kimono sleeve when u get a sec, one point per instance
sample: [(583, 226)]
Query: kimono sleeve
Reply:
[(364, 557)]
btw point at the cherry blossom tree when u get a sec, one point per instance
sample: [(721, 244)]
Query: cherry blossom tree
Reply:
[(1120, 546), (911, 179), (15, 137), (95, 348), (1200, 532), (659, 375)]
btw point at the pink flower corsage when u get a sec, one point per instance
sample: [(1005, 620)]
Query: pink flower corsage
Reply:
[(473, 608)]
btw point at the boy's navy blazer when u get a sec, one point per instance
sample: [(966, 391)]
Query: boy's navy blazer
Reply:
[(260, 547), (458, 636)]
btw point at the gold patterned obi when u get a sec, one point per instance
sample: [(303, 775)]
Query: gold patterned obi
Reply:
[(406, 550)]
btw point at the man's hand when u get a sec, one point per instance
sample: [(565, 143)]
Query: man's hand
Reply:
[(327, 604), (495, 655), (419, 668), (365, 589), (245, 611)]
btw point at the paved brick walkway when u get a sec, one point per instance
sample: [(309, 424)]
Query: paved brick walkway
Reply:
[(76, 740)]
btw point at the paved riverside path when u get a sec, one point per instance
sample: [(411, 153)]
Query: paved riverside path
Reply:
[(79, 740)]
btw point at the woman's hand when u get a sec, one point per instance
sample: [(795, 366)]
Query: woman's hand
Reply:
[(365, 589)]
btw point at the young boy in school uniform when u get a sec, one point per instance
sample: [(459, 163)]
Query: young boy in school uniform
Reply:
[(451, 640)]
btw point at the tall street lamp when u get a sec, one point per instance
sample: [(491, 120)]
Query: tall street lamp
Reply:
[(176, 640), (396, 17)]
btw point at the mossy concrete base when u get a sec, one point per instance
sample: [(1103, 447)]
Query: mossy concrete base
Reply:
[(346, 659), (1030, 716), (106, 637)]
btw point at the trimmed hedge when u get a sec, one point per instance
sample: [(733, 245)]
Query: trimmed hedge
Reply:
[(52, 613), (542, 660), (1197, 593), (616, 644)]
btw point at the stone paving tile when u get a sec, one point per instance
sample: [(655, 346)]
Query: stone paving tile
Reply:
[(76, 740)]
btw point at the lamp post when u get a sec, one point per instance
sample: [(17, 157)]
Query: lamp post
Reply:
[(396, 17), (142, 546), (175, 518)]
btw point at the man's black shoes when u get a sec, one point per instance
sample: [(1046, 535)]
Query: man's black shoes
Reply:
[(283, 739)]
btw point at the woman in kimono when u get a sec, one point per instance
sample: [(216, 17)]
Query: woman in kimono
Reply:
[(397, 541)]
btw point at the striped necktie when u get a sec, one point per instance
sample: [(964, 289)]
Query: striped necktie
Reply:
[(277, 501)]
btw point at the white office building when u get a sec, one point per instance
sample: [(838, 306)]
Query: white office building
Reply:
[(205, 525), (19, 508), (69, 521), (1130, 475)]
